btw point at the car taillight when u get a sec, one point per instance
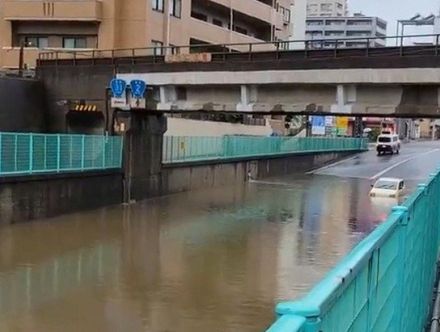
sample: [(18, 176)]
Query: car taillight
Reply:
[(392, 196)]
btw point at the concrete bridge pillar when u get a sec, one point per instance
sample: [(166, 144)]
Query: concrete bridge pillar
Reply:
[(168, 96), (249, 94), (143, 143), (346, 97)]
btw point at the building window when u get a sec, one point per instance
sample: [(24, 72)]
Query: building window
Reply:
[(217, 22), (157, 5), (199, 16), (74, 42), (240, 30), (326, 7), (286, 14), (158, 47), (34, 41), (176, 8)]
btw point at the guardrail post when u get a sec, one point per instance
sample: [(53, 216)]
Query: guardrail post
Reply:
[(58, 153), (436, 45), (402, 213), (401, 45), (83, 138), (31, 152), (1, 153), (103, 152), (250, 51)]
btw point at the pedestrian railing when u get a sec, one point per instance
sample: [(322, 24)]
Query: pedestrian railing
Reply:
[(25, 154), (385, 283), (186, 149)]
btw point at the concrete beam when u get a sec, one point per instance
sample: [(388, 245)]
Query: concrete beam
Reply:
[(331, 76)]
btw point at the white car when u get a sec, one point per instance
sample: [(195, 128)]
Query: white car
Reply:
[(387, 187), (387, 143)]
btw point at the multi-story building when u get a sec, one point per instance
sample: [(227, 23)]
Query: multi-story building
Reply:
[(323, 32), (113, 24), (326, 8)]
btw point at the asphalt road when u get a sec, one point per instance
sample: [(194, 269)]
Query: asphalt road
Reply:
[(414, 164)]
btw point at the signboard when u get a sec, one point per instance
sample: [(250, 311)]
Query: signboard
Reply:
[(190, 57), (342, 125), (119, 96), (329, 121), (118, 87), (120, 103), (318, 125), (136, 103), (137, 94), (138, 88)]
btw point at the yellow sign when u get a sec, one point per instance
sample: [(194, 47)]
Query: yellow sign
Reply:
[(342, 125)]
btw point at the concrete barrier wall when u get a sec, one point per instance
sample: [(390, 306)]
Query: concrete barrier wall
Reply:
[(33, 197), (192, 176), (23, 105)]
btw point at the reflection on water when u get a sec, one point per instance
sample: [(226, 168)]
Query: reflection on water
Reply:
[(215, 260)]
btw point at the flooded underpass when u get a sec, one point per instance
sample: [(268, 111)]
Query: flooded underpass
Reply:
[(212, 260)]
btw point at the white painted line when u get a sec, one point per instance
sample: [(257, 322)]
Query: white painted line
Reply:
[(332, 165), (386, 170)]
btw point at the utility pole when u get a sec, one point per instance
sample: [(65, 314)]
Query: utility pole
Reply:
[(21, 59)]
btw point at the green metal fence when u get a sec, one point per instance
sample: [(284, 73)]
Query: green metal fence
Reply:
[(182, 149), (385, 283), (24, 154)]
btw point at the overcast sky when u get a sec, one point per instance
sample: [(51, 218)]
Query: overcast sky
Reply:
[(392, 10)]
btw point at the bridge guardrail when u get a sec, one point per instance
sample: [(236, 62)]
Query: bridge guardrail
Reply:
[(192, 148), (27, 154), (385, 283), (316, 48)]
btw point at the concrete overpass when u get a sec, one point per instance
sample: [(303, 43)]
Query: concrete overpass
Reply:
[(401, 81)]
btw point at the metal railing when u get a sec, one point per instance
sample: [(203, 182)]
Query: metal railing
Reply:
[(385, 283), (187, 149), (26, 154), (361, 46)]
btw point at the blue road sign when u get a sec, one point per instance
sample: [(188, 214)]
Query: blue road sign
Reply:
[(138, 88), (118, 87)]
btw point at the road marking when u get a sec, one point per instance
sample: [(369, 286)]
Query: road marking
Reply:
[(332, 165), (386, 170)]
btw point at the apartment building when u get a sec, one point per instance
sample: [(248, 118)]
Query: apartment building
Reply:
[(112, 24), (322, 32), (319, 8)]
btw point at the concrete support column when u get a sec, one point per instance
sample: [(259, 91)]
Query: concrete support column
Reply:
[(346, 96), (249, 95), (168, 96), (143, 143)]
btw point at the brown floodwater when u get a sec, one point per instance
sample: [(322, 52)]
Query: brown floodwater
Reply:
[(211, 260)]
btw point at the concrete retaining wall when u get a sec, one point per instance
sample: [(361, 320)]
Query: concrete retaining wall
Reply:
[(23, 105), (32, 197), (192, 176)]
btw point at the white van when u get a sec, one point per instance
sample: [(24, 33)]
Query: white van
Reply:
[(387, 143)]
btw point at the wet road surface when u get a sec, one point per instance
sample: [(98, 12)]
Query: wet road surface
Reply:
[(213, 260)]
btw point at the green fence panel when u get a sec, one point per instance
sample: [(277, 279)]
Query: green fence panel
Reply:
[(185, 149), (24, 154), (385, 283)]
